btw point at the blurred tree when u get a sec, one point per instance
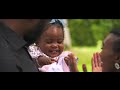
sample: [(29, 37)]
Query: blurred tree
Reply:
[(86, 32), (67, 40)]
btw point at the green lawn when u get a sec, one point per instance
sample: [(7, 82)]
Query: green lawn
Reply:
[(85, 54)]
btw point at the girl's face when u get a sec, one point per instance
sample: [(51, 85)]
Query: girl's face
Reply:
[(51, 41)]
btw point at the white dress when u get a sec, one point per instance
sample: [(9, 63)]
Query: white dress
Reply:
[(59, 66)]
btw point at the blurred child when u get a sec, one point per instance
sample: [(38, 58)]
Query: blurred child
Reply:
[(49, 50)]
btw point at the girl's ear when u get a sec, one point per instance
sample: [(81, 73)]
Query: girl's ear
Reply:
[(117, 58), (117, 63)]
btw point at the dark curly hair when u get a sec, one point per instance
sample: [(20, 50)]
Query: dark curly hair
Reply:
[(116, 43)]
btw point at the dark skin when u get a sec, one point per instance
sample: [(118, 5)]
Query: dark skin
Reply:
[(96, 63), (17, 28), (108, 56), (28, 29), (51, 43), (104, 61), (42, 60), (71, 61), (21, 26)]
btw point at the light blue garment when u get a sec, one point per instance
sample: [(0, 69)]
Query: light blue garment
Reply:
[(56, 20)]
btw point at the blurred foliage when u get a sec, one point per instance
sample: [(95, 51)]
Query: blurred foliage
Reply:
[(86, 32)]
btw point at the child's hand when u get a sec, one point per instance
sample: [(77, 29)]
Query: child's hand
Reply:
[(71, 62), (96, 63), (42, 60)]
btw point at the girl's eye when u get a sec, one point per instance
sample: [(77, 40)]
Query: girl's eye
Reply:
[(49, 42), (61, 41)]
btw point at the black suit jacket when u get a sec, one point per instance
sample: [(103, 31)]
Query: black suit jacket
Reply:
[(14, 56)]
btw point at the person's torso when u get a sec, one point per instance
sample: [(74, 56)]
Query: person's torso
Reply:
[(12, 60)]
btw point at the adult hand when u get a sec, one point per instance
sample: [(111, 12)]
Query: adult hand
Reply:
[(84, 68), (96, 63)]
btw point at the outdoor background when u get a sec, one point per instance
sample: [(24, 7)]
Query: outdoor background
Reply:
[(84, 37)]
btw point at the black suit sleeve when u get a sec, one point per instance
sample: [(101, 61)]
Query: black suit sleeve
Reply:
[(7, 58)]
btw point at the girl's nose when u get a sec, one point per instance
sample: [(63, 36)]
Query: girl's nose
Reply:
[(54, 45)]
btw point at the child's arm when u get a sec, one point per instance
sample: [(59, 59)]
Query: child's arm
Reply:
[(42, 60), (71, 62)]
